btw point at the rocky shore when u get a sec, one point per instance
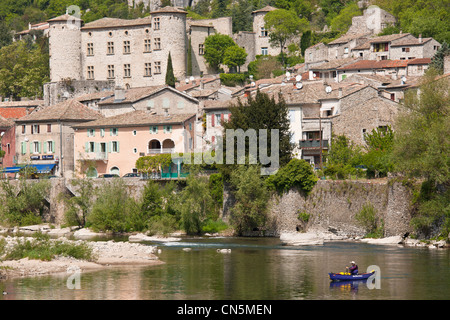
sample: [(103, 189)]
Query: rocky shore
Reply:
[(106, 254)]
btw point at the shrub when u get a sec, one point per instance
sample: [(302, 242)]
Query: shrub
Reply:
[(367, 218), (214, 226), (297, 173), (232, 79)]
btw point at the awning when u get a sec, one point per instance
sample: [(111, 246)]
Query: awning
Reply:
[(41, 168)]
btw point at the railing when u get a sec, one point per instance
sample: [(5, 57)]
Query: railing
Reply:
[(162, 150), (313, 144), (97, 155)]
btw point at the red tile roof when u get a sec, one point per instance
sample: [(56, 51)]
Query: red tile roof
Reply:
[(420, 61), (372, 64), (13, 113)]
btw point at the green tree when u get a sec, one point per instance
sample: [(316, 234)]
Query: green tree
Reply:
[(215, 47), (234, 56), (344, 19), (305, 41), (79, 206), (297, 173), (249, 190), (378, 158), (195, 204), (5, 35), (261, 112), (283, 26), (23, 71), (421, 144), (241, 14), (437, 62), (170, 77)]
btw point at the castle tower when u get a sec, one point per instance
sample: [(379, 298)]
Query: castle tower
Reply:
[(65, 48), (169, 25), (262, 45)]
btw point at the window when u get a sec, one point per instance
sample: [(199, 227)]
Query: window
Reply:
[(153, 129), (381, 47), (114, 131), (158, 67), (91, 147), (135, 150), (110, 71), (50, 147), (134, 132), (383, 57), (157, 44), (110, 48), (218, 118), (102, 132), (156, 24), (201, 49), (91, 132), (264, 51), (90, 72), (35, 128), (393, 96), (167, 129), (264, 32), (346, 50), (126, 47), (36, 147), (405, 49), (148, 69), (90, 49), (115, 146), (49, 127), (292, 115), (147, 45), (102, 147), (24, 129), (126, 70)]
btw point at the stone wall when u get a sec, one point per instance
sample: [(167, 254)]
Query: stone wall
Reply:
[(332, 206)]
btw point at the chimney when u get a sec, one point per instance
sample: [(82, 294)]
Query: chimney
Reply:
[(119, 94), (420, 38), (340, 93), (202, 84)]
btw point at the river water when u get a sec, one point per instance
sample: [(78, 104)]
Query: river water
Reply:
[(255, 269)]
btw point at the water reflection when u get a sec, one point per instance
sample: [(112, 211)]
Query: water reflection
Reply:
[(255, 269)]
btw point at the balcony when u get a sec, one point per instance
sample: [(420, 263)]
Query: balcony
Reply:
[(160, 150), (313, 144), (97, 156)]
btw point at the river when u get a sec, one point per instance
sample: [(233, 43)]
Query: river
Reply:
[(255, 269)]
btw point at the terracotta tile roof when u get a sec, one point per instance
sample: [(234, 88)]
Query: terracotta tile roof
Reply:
[(265, 9), (388, 38), (26, 103), (372, 64), (410, 42), (13, 113), (5, 123), (221, 104), (334, 64), (69, 110), (348, 37), (64, 17), (419, 61), (135, 94), (135, 118), (95, 96), (169, 9), (116, 23)]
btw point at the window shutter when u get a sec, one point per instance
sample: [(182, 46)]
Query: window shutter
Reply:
[(110, 131), (39, 146), (212, 120), (53, 146), (31, 147), (109, 147), (118, 149), (45, 147), (24, 147), (86, 147), (102, 132)]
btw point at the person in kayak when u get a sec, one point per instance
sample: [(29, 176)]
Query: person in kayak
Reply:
[(353, 269)]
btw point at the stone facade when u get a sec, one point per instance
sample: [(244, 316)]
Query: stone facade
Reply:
[(363, 111)]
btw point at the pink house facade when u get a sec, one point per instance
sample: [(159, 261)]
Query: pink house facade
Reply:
[(112, 145)]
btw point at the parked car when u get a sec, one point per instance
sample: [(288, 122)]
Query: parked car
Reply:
[(131, 175), (108, 175)]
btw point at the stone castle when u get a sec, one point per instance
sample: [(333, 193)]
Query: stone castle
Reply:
[(112, 52)]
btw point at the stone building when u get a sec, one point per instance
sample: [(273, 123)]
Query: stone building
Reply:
[(112, 145), (45, 137)]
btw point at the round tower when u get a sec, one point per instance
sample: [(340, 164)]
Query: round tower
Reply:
[(169, 25), (65, 48)]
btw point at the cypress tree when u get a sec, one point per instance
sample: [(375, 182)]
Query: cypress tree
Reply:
[(170, 77)]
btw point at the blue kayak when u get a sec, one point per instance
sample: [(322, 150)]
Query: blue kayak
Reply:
[(345, 276)]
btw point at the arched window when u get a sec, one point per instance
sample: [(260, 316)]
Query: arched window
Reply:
[(114, 170)]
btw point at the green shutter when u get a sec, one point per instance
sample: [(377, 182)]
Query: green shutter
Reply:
[(53, 146), (118, 149), (45, 147), (31, 147), (86, 147), (108, 147), (102, 132), (24, 147), (110, 131)]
